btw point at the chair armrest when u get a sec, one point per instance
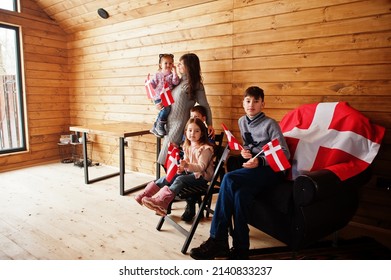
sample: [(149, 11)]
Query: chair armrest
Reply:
[(323, 184), (314, 186)]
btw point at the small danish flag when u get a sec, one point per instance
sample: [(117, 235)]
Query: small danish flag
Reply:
[(232, 142), (166, 95)]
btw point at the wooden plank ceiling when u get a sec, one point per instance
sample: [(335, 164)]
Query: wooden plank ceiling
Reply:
[(79, 15)]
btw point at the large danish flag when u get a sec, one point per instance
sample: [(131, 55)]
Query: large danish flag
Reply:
[(333, 136)]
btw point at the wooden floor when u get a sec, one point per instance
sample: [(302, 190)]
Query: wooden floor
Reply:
[(47, 212)]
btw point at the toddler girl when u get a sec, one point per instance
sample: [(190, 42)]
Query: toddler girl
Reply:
[(166, 73)]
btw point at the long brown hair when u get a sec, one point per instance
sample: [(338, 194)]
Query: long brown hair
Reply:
[(204, 132), (194, 76)]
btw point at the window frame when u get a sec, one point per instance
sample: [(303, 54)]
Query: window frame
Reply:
[(15, 6), (20, 91)]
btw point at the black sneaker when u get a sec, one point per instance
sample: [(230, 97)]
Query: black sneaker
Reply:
[(210, 250), (238, 254), (190, 210), (189, 213)]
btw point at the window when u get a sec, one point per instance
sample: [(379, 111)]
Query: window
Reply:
[(12, 128), (10, 5)]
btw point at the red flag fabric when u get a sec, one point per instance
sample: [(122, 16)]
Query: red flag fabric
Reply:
[(275, 156), (232, 142), (148, 86), (172, 162), (166, 95), (171, 147), (333, 136)]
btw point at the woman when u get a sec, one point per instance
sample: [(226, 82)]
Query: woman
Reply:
[(189, 91)]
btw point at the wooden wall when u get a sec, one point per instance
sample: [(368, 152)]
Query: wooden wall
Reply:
[(312, 51), (298, 51), (46, 88), (108, 68)]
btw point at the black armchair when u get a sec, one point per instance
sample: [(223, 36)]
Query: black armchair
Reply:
[(319, 203), (308, 209)]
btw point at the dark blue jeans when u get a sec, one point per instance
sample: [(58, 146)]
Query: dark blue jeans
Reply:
[(237, 192), (181, 181), (163, 113)]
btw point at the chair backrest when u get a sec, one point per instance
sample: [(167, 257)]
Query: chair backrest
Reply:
[(218, 152), (218, 145), (219, 167)]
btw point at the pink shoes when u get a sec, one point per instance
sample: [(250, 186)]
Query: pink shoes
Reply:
[(160, 201), (149, 191)]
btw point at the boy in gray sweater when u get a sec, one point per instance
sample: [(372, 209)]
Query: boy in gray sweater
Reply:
[(239, 187)]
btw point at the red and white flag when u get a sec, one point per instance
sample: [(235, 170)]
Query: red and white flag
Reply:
[(166, 95), (275, 156), (333, 136), (232, 142), (172, 162), (171, 147), (148, 86)]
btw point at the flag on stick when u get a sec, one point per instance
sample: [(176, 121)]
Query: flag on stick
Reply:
[(275, 156), (232, 142), (172, 162), (148, 86), (166, 95), (171, 147)]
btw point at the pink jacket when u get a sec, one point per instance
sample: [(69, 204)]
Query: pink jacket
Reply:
[(200, 161), (158, 81)]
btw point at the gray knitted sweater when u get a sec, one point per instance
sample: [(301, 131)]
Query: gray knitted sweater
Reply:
[(180, 114), (258, 132)]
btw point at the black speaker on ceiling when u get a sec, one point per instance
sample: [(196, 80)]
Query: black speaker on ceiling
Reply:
[(103, 13)]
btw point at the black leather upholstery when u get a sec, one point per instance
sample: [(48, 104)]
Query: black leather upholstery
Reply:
[(308, 209)]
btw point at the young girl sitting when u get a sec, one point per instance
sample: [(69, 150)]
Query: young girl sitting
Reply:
[(200, 112), (196, 168)]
